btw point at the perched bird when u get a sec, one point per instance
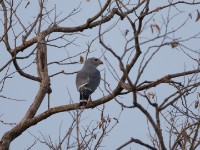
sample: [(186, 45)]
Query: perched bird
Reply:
[(88, 79)]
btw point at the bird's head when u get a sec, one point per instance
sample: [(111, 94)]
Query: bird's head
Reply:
[(94, 61)]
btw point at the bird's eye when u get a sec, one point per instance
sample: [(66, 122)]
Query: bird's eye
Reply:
[(95, 59)]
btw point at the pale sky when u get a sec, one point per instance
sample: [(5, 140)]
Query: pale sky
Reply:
[(131, 122)]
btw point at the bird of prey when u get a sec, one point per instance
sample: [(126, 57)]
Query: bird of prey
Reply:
[(88, 79)]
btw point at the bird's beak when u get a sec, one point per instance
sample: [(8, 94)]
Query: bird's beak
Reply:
[(100, 62)]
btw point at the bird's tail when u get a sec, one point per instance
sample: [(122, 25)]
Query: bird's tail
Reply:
[(84, 96), (83, 102)]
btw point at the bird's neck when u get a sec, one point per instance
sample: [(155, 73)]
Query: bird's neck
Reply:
[(89, 66)]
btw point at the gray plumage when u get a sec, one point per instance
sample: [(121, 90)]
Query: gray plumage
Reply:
[(88, 79)]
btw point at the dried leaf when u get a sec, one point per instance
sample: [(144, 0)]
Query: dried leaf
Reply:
[(150, 95), (185, 135), (155, 25), (198, 94), (81, 59), (103, 120), (198, 16), (108, 119), (94, 136), (126, 32), (190, 15), (174, 44), (157, 9), (196, 104)]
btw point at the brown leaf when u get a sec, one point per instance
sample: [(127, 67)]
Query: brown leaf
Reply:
[(155, 25), (196, 104), (94, 136), (126, 32), (198, 16), (108, 119), (174, 44), (185, 135), (198, 94), (150, 95), (81, 59), (103, 120), (157, 9)]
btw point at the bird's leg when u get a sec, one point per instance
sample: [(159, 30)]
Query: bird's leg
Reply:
[(49, 92), (48, 101)]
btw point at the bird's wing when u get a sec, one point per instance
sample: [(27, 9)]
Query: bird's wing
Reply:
[(82, 79), (88, 78), (94, 79)]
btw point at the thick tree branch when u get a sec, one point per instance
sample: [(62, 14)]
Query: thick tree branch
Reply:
[(44, 86)]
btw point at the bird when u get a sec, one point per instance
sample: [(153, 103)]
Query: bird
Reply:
[(88, 79)]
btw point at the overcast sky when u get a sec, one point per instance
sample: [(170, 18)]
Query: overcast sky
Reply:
[(131, 122)]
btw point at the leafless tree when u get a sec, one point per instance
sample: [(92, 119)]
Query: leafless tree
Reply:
[(137, 41)]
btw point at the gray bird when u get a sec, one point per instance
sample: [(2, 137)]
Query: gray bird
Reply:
[(88, 79)]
